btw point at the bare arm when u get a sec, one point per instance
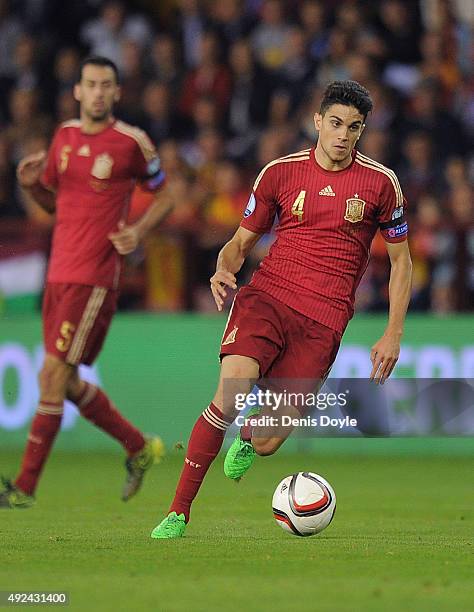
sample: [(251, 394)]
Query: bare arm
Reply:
[(230, 260), (385, 352), (127, 238), (399, 286), (28, 174), (160, 208)]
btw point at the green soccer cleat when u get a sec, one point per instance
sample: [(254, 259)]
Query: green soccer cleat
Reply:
[(13, 498), (172, 526), (139, 464), (240, 455)]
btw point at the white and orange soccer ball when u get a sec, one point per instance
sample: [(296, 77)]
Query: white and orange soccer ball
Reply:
[(304, 504)]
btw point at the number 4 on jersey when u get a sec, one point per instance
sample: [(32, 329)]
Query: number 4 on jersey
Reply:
[(298, 205)]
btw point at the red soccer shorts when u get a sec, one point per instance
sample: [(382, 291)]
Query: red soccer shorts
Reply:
[(287, 345), (76, 319)]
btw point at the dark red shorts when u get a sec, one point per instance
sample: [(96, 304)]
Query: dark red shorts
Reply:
[(286, 344), (76, 319)]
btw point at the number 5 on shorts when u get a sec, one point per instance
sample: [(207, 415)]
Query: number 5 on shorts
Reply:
[(64, 342)]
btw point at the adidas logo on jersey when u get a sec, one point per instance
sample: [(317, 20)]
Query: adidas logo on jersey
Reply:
[(327, 191), (84, 151)]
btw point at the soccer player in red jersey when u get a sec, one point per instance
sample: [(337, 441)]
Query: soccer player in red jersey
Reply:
[(87, 179), (287, 324)]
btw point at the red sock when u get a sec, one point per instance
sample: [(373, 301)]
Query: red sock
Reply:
[(96, 407), (44, 427), (203, 447)]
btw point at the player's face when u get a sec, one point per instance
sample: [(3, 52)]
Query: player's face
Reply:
[(339, 129), (96, 92)]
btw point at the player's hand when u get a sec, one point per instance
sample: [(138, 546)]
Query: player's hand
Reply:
[(222, 279), (30, 168), (384, 355), (126, 239)]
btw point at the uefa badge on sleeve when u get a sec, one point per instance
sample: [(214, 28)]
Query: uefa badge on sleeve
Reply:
[(397, 213), (153, 166), (250, 206)]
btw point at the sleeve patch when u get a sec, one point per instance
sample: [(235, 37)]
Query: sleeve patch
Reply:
[(399, 231), (154, 174), (250, 206), (397, 220)]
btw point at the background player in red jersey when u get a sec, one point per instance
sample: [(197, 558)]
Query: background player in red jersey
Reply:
[(287, 324), (87, 178)]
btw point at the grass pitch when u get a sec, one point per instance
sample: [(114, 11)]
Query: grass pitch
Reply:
[(402, 538)]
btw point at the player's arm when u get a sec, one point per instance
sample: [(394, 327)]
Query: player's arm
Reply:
[(162, 205), (394, 229), (385, 352), (147, 167), (29, 172), (229, 261), (258, 220), (128, 237)]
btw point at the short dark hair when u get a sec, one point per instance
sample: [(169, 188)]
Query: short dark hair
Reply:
[(98, 60), (349, 93)]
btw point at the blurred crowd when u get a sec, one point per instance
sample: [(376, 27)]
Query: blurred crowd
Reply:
[(225, 86)]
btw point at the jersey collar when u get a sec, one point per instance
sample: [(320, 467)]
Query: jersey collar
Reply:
[(331, 172)]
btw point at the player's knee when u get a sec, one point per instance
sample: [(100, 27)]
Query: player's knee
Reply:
[(239, 372), (46, 378), (239, 367), (75, 388), (52, 377), (264, 446)]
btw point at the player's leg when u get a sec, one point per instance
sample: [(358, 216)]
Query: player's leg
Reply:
[(206, 440), (142, 452), (254, 439), (95, 406), (304, 366), (58, 327), (301, 368), (250, 344), (96, 307), (53, 381), (267, 440), (92, 309)]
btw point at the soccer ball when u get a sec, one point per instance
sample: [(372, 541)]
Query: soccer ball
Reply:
[(304, 503)]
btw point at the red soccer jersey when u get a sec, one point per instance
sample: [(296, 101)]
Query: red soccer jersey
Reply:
[(326, 223), (93, 176)]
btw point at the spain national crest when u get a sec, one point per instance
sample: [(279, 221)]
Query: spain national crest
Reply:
[(354, 209), (102, 168)]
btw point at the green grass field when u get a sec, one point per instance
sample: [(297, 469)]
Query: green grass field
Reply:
[(402, 538)]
